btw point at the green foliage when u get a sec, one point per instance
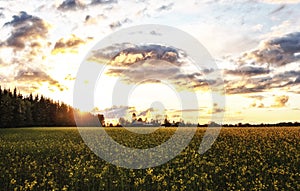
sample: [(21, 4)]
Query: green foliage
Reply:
[(240, 159), (19, 111)]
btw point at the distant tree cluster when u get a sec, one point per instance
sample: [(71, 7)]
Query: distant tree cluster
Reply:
[(281, 124), (19, 111)]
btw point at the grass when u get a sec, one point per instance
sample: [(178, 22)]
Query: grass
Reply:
[(240, 159)]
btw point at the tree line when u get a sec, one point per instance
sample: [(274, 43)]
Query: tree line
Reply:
[(17, 110)]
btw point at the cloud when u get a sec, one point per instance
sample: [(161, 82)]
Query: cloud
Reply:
[(275, 52), (146, 112), (216, 109), (70, 77), (297, 81), (257, 105), (280, 101), (21, 18), (248, 71), (67, 45), (36, 78), (165, 7), (116, 112), (281, 7), (155, 112), (285, 79), (118, 24), (140, 53), (153, 63), (96, 2), (257, 70), (26, 30), (192, 110), (115, 25), (280, 1), (94, 20), (146, 72), (257, 97), (71, 5)]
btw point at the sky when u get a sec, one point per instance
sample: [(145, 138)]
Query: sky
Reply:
[(255, 45)]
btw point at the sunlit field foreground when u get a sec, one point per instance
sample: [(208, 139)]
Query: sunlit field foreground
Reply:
[(240, 158)]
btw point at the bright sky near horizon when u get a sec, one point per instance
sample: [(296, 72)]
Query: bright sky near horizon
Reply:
[(255, 43)]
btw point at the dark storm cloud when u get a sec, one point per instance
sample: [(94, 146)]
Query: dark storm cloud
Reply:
[(36, 77), (276, 52), (26, 28), (247, 71)]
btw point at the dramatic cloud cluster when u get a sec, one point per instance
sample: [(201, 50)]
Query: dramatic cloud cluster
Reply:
[(24, 66), (263, 84), (27, 30), (153, 64), (276, 52), (260, 70)]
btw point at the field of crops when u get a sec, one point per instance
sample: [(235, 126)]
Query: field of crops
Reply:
[(240, 159)]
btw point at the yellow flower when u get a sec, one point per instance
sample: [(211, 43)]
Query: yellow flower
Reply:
[(13, 181)]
